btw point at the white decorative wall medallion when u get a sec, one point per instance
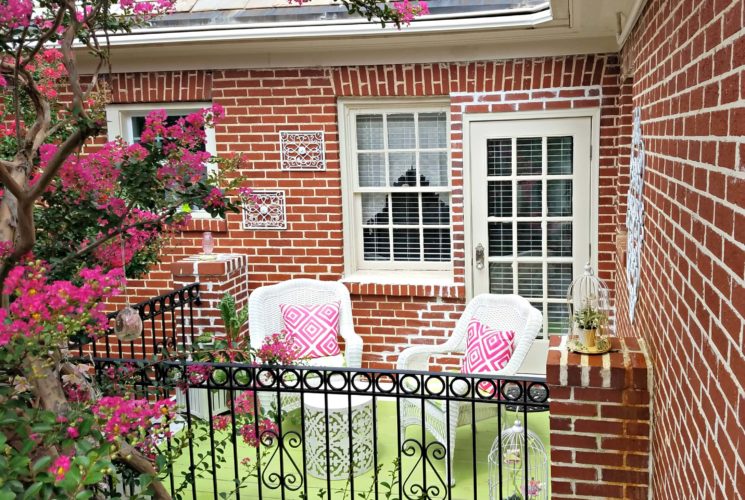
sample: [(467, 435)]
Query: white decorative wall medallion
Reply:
[(302, 151), (635, 213), (267, 211)]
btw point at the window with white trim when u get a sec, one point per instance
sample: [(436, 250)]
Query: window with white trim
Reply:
[(398, 187), (128, 120)]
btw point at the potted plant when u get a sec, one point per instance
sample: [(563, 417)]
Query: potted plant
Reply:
[(588, 319)]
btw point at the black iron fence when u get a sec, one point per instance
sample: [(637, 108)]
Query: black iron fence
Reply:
[(167, 322), (304, 432)]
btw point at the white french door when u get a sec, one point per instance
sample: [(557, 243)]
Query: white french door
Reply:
[(531, 187)]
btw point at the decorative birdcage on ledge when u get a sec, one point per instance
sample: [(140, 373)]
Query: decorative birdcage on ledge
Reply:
[(589, 314), (518, 455)]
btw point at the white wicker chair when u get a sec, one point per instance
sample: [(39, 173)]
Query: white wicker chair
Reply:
[(265, 318), (506, 312)]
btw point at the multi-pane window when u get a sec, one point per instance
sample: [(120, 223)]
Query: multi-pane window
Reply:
[(128, 122), (530, 221), (402, 189)]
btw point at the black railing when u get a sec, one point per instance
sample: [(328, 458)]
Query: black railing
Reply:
[(167, 322), (270, 432), (292, 426)]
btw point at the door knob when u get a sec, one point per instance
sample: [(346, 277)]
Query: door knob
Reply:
[(479, 256)]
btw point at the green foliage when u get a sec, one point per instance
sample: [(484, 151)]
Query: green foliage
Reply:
[(589, 318)]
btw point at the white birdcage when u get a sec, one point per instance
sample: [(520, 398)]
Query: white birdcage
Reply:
[(520, 449), (588, 302)]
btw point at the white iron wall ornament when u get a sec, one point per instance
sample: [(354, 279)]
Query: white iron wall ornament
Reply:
[(265, 211), (635, 213), (302, 151)]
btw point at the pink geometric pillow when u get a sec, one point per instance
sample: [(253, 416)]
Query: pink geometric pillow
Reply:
[(487, 350), (313, 329)]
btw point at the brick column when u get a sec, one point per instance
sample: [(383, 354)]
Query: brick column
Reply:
[(599, 422), (225, 273)]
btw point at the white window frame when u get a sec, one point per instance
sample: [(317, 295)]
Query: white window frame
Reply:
[(354, 263), (119, 124)]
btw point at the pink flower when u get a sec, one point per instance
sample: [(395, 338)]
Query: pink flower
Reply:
[(60, 467), (220, 422), (407, 10), (72, 432)]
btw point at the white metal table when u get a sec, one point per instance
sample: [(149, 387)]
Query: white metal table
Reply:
[(335, 443)]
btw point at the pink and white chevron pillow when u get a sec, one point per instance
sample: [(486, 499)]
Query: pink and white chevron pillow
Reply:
[(313, 329), (487, 350)]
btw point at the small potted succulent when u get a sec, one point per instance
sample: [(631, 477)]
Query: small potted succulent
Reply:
[(588, 319)]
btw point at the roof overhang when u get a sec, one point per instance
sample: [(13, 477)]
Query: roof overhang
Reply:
[(567, 27)]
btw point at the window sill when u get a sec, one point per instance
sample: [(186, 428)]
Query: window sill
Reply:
[(405, 283)]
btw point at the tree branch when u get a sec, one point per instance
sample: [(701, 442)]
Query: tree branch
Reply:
[(92, 246), (71, 144)]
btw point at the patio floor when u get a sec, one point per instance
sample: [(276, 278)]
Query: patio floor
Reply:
[(387, 444)]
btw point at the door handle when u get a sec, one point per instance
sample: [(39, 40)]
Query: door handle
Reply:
[(479, 256)]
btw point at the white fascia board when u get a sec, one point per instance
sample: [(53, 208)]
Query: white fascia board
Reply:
[(430, 49)]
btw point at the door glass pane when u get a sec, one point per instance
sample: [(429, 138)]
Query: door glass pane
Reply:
[(559, 198), (433, 167), (530, 279), (529, 239), (559, 155), (529, 234), (436, 244), (406, 244), (500, 239), (499, 157), (559, 279), (370, 132), (401, 131), (558, 317), (529, 200), (500, 199), (559, 239), (432, 130), (371, 167), (528, 155), (500, 277)]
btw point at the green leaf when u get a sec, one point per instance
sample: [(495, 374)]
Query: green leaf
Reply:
[(41, 464), (33, 490), (84, 495)]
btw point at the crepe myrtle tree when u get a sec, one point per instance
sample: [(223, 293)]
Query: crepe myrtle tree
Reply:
[(70, 219)]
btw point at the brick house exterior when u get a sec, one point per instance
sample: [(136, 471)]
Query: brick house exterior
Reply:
[(684, 66)]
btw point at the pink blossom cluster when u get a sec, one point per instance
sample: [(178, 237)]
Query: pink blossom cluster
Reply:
[(137, 420), (15, 13), (266, 429), (195, 374), (407, 10), (215, 198), (60, 466), (39, 305), (182, 144), (276, 350), (136, 238)]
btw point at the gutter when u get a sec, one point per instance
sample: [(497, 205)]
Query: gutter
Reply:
[(228, 32)]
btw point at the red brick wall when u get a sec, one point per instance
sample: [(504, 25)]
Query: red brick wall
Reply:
[(260, 103), (687, 60)]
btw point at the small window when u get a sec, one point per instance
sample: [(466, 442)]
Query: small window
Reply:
[(399, 189), (128, 122)]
